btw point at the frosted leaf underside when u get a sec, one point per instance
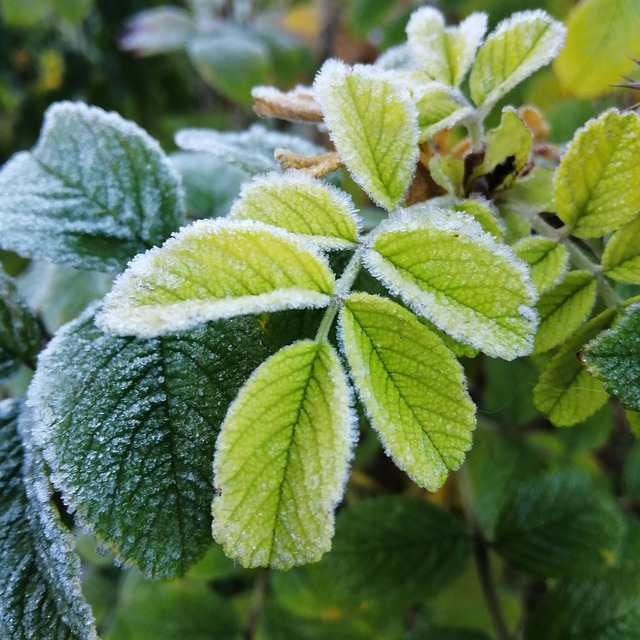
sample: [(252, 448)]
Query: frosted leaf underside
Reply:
[(373, 124), (411, 385), (40, 590), (446, 268), (302, 206), (95, 191), (128, 429), (282, 458), (216, 269)]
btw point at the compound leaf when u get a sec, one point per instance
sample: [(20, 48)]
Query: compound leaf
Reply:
[(128, 428), (445, 267), (621, 257), (411, 385), (548, 260), (40, 590), (563, 309), (300, 205), (374, 126), (282, 457), (519, 46), (216, 269), (565, 392), (444, 54), (597, 185), (612, 357), (95, 191)]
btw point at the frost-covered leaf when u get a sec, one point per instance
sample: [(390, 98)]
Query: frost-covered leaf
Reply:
[(398, 58), (40, 591), (251, 150), (597, 185), (282, 458), (548, 260), (301, 205), (216, 269), (519, 46), (565, 392), (561, 523), (395, 550), (128, 429), (445, 267), (445, 54), (621, 257), (484, 213), (95, 191), (563, 309), (411, 386), (612, 356), (601, 37), (20, 335), (374, 126), (448, 172), (157, 30)]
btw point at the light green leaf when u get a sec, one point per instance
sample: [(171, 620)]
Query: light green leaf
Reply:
[(621, 257), (563, 309), (128, 429), (282, 458), (601, 37), (445, 267), (485, 213), (300, 205), (533, 192), (158, 30), (411, 386), (40, 590), (612, 356), (548, 260), (95, 191), (374, 126), (396, 550), (543, 529), (597, 185), (216, 269), (519, 46), (565, 392), (448, 172), (445, 54)]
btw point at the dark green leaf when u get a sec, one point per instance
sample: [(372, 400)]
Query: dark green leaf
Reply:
[(631, 472), (446, 633)]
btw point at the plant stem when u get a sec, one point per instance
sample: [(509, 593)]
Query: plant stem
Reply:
[(257, 605)]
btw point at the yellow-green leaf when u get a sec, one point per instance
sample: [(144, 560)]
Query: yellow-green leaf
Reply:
[(597, 186), (448, 269), (519, 46), (216, 269), (282, 458), (411, 385), (301, 205), (374, 126), (621, 257), (548, 260), (485, 213), (563, 309), (601, 35)]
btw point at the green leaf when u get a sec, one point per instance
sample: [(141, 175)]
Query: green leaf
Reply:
[(281, 459), (157, 30), (565, 392), (411, 385), (20, 335), (396, 550), (95, 191), (445, 633), (300, 205), (445, 267), (548, 260), (519, 46), (251, 150), (128, 429), (448, 172), (485, 213), (601, 37), (561, 523), (621, 257), (612, 356), (563, 309), (40, 590), (374, 126), (445, 54), (631, 472), (597, 185), (533, 192), (216, 269)]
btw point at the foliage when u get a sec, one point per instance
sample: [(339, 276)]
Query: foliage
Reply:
[(433, 280)]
